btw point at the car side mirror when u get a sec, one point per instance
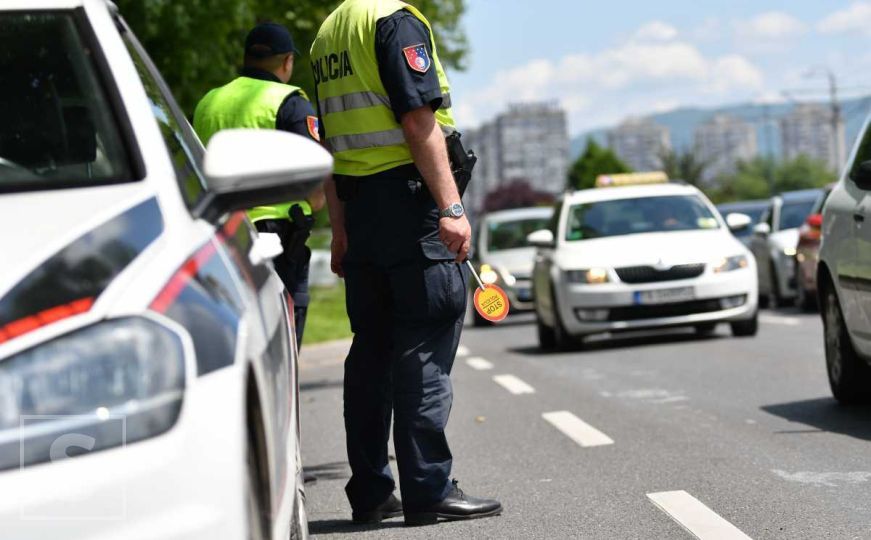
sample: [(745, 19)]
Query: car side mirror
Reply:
[(541, 239), (762, 229), (861, 175), (738, 222), (245, 168)]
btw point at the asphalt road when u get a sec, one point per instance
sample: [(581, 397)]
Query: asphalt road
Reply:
[(661, 434)]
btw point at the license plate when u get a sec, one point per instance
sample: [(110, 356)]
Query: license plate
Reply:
[(665, 296), (524, 295)]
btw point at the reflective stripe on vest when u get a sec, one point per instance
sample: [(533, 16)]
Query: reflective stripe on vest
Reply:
[(246, 103), (391, 137), (360, 127)]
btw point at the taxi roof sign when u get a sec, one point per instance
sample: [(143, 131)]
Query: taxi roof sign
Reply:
[(631, 179)]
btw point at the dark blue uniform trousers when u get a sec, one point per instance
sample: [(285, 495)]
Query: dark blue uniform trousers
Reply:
[(406, 301)]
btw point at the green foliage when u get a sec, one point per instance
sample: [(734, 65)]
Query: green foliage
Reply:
[(756, 178), (198, 44), (327, 318), (683, 166), (593, 162)]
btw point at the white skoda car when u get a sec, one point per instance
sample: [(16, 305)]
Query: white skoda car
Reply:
[(148, 382), (641, 256)]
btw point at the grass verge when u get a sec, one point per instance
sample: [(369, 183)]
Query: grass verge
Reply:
[(327, 319)]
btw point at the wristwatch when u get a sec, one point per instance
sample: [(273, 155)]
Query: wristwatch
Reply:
[(455, 210)]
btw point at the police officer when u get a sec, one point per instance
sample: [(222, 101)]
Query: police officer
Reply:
[(399, 236), (261, 98)]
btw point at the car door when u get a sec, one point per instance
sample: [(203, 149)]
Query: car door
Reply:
[(851, 207), (259, 293)]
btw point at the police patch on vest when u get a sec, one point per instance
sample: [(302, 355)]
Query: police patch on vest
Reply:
[(314, 127), (417, 58)]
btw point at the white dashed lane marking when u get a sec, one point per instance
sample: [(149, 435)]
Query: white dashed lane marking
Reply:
[(476, 362), (695, 517), (462, 350), (513, 384), (576, 429), (776, 319)]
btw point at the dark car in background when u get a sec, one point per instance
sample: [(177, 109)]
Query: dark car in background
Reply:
[(774, 243), (807, 255), (752, 209)]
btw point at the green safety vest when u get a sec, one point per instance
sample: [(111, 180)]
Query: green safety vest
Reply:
[(361, 129), (246, 103)]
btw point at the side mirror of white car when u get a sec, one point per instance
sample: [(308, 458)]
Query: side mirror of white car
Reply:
[(541, 239), (762, 229), (738, 222), (254, 167)]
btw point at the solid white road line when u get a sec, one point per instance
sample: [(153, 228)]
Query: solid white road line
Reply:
[(462, 350), (777, 319), (695, 517), (576, 429), (513, 384), (476, 362)]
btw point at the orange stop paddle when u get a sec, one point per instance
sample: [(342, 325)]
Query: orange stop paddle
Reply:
[(490, 301)]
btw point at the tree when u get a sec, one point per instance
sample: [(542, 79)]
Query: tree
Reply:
[(593, 162), (683, 166), (759, 178), (197, 45)]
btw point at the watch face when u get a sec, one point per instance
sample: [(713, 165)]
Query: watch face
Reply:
[(457, 210)]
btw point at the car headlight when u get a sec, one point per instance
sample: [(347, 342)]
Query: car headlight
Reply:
[(112, 383), (728, 264), (591, 276), (789, 252), (488, 275)]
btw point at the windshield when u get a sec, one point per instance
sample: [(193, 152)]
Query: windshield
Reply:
[(502, 235), (635, 216), (793, 214), (57, 128)]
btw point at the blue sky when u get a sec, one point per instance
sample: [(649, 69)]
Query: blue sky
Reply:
[(606, 60)]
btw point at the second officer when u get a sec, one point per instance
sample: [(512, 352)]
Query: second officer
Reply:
[(261, 99)]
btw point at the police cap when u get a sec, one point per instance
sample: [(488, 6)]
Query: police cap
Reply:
[(269, 39)]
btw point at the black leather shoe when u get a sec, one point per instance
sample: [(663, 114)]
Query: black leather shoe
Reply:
[(390, 508), (457, 505)]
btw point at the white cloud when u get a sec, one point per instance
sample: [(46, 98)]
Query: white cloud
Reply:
[(651, 68), (853, 19), (770, 26), (656, 31)]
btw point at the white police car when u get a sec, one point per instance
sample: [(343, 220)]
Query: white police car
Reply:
[(148, 382), (630, 257)]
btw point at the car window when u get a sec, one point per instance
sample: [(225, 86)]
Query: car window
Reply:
[(502, 235), (58, 128), (863, 153), (643, 215), (184, 149), (793, 214)]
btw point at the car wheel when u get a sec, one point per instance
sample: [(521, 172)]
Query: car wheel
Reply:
[(706, 329), (775, 295), (255, 506), (849, 376), (748, 328), (807, 301), (546, 338)]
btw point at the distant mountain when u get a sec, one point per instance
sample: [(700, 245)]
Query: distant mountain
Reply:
[(682, 124)]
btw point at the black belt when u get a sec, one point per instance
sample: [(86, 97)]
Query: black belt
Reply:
[(348, 187)]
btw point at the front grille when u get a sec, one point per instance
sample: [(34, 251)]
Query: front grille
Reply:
[(637, 313), (649, 274)]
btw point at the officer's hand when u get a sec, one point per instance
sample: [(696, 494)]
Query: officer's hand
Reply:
[(337, 252), (456, 233)]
